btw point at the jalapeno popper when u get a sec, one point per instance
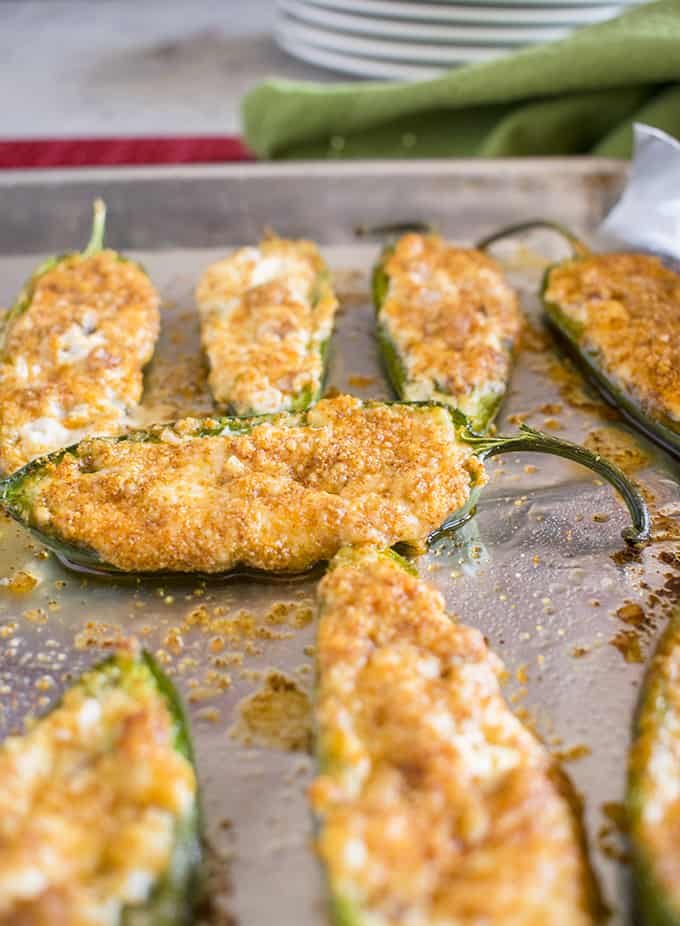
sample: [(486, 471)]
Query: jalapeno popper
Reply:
[(266, 320), (100, 816), (435, 804), (654, 786), (276, 493), (619, 317), (73, 349), (447, 322)]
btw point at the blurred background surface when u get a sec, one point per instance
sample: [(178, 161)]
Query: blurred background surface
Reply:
[(135, 67)]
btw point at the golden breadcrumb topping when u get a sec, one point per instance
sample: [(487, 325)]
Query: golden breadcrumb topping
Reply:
[(72, 362), (626, 309), (436, 804), (452, 317), (655, 768), (265, 312), (89, 802), (280, 497)]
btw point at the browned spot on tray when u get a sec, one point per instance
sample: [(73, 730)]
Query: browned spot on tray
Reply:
[(293, 613), (664, 527), (574, 390), (578, 652), (573, 753), (616, 813), (551, 408), (618, 446), (98, 634), (20, 583), (360, 381), (670, 558), (533, 339), (628, 643), (611, 834), (36, 615), (627, 555), (278, 716), (631, 613), (174, 641)]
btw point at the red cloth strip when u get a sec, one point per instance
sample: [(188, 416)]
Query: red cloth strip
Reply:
[(106, 152)]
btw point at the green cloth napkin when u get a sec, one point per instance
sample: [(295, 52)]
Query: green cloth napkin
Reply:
[(576, 96)]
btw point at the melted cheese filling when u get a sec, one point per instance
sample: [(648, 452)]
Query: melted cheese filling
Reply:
[(265, 312), (627, 311), (281, 497), (89, 802), (436, 805), (655, 763), (72, 362), (452, 317)]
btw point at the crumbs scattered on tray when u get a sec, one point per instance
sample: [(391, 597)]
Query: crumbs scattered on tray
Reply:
[(277, 716), (98, 634), (35, 615), (611, 835), (629, 644), (21, 582), (665, 523), (533, 338), (359, 381), (245, 626), (617, 446), (573, 753), (632, 613), (574, 390)]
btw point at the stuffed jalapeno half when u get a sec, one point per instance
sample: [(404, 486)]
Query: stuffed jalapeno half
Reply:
[(72, 350), (654, 786), (435, 804), (276, 493), (100, 807), (266, 320), (447, 322), (618, 315)]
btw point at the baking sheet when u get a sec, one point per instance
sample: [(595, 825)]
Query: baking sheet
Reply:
[(542, 570)]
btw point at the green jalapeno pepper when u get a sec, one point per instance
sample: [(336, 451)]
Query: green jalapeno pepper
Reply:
[(618, 316), (94, 246), (653, 785), (266, 320), (73, 348), (275, 493), (446, 323), (419, 818), (106, 817)]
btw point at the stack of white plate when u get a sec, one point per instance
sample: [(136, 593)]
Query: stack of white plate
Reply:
[(411, 39)]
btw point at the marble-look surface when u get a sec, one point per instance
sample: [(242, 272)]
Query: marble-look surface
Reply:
[(138, 67)]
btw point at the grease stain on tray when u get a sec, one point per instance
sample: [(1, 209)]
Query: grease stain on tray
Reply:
[(278, 716), (618, 446)]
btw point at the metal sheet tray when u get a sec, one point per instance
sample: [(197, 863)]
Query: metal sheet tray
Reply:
[(541, 571)]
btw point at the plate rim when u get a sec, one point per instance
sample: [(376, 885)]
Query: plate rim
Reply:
[(399, 52), (377, 68), (421, 33), (416, 10), (463, 11)]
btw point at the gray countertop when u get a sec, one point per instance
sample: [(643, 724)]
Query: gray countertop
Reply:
[(138, 67)]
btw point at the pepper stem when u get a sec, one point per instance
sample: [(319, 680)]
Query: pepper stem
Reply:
[(396, 228), (579, 247), (96, 242), (537, 442)]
